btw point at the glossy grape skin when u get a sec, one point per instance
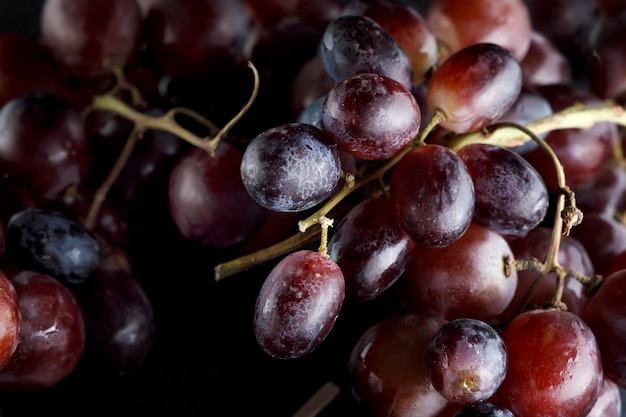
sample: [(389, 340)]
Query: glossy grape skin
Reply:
[(291, 167), (408, 28), (52, 334), (483, 409), (557, 357), (604, 312), (474, 86), (544, 64), (87, 36), (298, 304), (466, 360), (609, 403), (511, 197), (387, 367), (459, 24), (52, 243), (196, 38), (371, 116), (208, 201), (10, 320), (370, 248), (606, 194), (607, 77), (463, 280), (572, 255), (433, 193), (343, 54), (43, 144)]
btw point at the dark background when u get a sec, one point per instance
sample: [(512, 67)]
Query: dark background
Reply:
[(205, 361)]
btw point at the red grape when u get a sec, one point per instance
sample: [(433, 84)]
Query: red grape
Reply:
[(555, 367), (298, 304), (371, 116), (474, 86), (11, 318)]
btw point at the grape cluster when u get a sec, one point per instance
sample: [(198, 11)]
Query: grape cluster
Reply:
[(430, 194)]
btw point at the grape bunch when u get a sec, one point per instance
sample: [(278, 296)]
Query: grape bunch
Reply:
[(418, 206)]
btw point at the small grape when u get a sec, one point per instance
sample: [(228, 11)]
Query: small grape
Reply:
[(466, 360), (483, 409)]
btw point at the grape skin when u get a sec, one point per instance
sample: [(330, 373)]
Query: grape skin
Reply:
[(298, 304), (371, 116), (466, 360), (291, 167)]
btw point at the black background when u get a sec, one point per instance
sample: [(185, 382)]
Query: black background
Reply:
[(205, 360)]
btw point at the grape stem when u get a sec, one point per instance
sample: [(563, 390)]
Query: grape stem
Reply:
[(569, 215), (502, 134)]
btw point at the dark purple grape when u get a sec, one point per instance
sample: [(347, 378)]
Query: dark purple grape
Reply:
[(291, 167), (370, 248), (466, 360), (298, 304), (511, 197), (354, 44), (51, 243), (52, 334), (208, 201), (474, 86), (89, 36), (483, 409), (371, 116), (43, 144), (119, 319), (433, 194)]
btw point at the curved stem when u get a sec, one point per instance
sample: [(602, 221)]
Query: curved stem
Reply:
[(119, 165), (577, 116)]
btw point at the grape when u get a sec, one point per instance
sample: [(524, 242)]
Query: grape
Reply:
[(291, 167), (433, 193), (51, 243), (354, 44), (370, 248), (544, 64), (52, 334), (310, 84), (459, 24), (298, 304), (463, 280), (407, 26), (511, 197), (606, 194), (609, 403), (119, 318), (371, 116), (556, 355), (469, 98), (466, 360), (11, 318), (606, 75), (196, 38), (604, 312), (387, 367), (208, 201), (88, 36), (483, 409), (43, 144)]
